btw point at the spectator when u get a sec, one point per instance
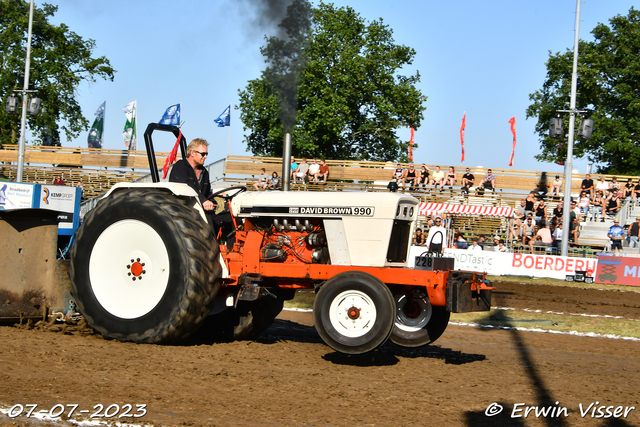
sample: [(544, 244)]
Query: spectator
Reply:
[(614, 183), (467, 181), (437, 178), (615, 235), (556, 188), (418, 238), (460, 242), (557, 212), (542, 187), (597, 206), (474, 245), (574, 229), (59, 181), (294, 169), (410, 177), (489, 181), (314, 171), (528, 231), (540, 211), (521, 210), (634, 231), (557, 236), (424, 176), (628, 190), (301, 171), (451, 179), (587, 185), (482, 241), (324, 171), (501, 246), (79, 184), (543, 234), (636, 191), (530, 202), (602, 185), (584, 203), (437, 237), (263, 180), (515, 229), (274, 182), (398, 174), (612, 204)]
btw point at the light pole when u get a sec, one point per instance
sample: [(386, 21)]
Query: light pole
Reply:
[(566, 208), (24, 98)]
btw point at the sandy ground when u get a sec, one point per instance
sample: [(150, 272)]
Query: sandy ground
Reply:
[(288, 377)]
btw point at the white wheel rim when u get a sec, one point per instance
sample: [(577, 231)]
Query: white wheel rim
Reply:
[(416, 322), (112, 272), (352, 313)]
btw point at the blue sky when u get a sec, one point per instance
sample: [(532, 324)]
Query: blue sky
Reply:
[(484, 58)]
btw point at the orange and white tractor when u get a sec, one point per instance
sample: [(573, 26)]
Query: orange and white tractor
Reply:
[(147, 267)]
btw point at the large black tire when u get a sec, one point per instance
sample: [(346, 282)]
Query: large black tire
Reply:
[(417, 322), (244, 322), (161, 240), (354, 312)]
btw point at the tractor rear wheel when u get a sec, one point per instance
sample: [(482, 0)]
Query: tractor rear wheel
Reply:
[(145, 267), (417, 321), (354, 312)]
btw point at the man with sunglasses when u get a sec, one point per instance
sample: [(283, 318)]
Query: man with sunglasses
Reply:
[(437, 237), (192, 172)]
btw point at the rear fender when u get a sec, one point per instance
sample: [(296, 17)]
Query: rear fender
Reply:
[(175, 188)]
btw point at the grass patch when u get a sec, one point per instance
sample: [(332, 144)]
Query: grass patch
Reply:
[(564, 322), (304, 299)]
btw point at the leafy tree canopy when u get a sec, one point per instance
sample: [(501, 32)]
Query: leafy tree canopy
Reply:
[(60, 61), (608, 88), (333, 83)]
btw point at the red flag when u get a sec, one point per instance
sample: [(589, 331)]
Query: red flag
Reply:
[(411, 146), (512, 120), (464, 125), (172, 157)]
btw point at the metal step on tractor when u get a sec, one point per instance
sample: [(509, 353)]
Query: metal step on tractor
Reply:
[(147, 266)]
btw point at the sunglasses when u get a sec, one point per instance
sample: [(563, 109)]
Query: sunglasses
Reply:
[(205, 154)]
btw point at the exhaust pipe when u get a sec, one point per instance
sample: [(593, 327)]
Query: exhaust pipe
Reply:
[(286, 162)]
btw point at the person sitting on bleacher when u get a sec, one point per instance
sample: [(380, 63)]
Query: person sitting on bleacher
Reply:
[(489, 181), (410, 177), (323, 176), (467, 181), (543, 234), (528, 230), (474, 245), (451, 179), (424, 176), (437, 178), (263, 180), (597, 206), (274, 182), (612, 204)]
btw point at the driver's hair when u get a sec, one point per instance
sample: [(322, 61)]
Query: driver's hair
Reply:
[(194, 144)]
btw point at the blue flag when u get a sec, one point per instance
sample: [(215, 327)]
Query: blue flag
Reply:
[(224, 119), (171, 116)]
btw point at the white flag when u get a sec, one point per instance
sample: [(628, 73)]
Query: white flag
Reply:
[(130, 130)]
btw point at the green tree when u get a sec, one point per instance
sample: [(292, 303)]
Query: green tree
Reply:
[(60, 61), (608, 88), (350, 99)]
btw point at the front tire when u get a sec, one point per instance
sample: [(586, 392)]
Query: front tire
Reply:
[(417, 322), (354, 312), (145, 267)]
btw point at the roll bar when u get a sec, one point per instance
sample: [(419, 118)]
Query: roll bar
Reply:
[(151, 153)]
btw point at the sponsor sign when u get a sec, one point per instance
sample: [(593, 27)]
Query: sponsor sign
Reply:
[(14, 195), (616, 270), (333, 210), (516, 264), (63, 199)]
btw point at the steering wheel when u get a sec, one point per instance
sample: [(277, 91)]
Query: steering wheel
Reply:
[(238, 189)]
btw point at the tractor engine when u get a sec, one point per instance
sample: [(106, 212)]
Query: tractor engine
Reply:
[(363, 229)]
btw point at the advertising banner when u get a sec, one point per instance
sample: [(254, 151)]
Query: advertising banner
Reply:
[(15, 195), (64, 199), (616, 270), (516, 264)]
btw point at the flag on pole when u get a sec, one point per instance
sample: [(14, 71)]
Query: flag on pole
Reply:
[(171, 116), (172, 156), (411, 145), (224, 119), (462, 127), (130, 130), (94, 140), (512, 121)]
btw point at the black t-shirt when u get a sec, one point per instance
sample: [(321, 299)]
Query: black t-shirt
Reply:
[(183, 172), (469, 176), (587, 183)]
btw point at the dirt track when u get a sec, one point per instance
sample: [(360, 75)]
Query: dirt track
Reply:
[(289, 377)]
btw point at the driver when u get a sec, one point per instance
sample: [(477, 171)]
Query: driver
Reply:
[(191, 171)]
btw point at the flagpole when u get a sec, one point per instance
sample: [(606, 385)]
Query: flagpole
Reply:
[(228, 141), (136, 119)]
